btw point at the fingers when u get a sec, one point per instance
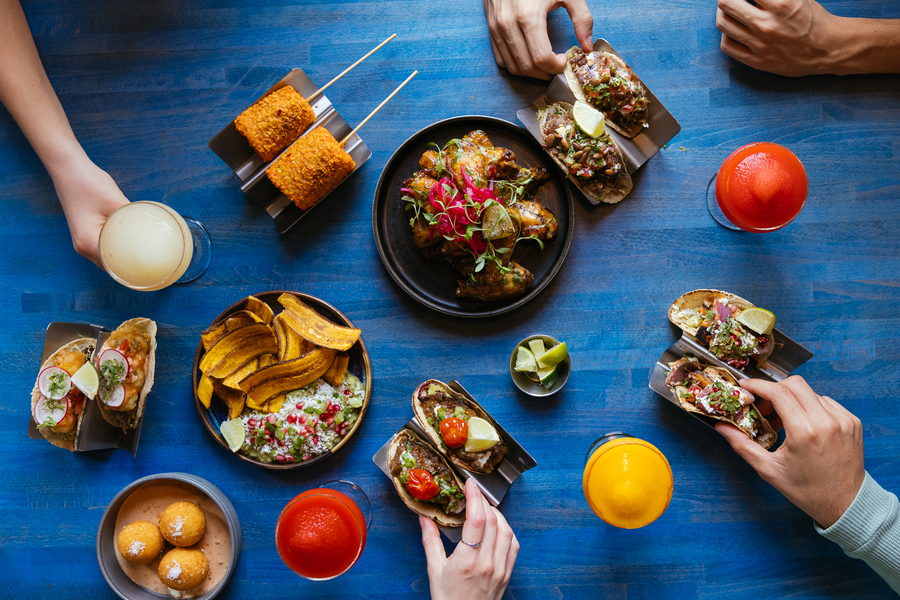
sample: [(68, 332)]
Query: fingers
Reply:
[(792, 407), (497, 56), (540, 50), (476, 519), (431, 541), (489, 540), (740, 11), (733, 29), (750, 451), (502, 548), (583, 22)]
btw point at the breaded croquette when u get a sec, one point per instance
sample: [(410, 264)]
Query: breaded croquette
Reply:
[(140, 542), (273, 122), (313, 166), (182, 523), (183, 568)]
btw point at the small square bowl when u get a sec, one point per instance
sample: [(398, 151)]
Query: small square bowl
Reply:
[(530, 386)]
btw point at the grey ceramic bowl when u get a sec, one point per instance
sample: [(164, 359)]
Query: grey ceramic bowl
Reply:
[(124, 587), (530, 386)]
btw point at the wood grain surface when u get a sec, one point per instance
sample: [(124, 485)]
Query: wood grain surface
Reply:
[(147, 84)]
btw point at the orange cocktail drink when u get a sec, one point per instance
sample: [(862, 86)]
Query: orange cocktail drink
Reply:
[(627, 481), (761, 187), (320, 534)]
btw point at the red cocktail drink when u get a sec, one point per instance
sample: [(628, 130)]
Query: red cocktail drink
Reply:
[(761, 187), (320, 534)]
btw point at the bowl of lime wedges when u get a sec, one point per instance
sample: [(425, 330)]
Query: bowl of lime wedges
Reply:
[(540, 365)]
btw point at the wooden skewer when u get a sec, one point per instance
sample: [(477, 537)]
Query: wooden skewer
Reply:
[(377, 108), (348, 69)]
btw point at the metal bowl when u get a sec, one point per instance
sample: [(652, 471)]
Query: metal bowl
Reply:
[(530, 386), (118, 581)]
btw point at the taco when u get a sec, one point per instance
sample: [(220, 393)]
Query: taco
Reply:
[(596, 165), (604, 81), (126, 363), (56, 404), (446, 415), (709, 316), (424, 480), (714, 392)]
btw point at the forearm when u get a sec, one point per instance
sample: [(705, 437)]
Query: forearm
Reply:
[(866, 46), (26, 92), (870, 530)]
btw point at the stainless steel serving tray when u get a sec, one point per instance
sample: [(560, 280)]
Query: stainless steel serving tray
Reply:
[(787, 357), (637, 151), (96, 433), (236, 152), (494, 485)]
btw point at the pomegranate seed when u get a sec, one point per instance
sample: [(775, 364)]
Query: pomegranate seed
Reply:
[(252, 422), (302, 418), (346, 392), (329, 420), (272, 418), (315, 439), (279, 458), (313, 420), (735, 393), (306, 457), (763, 340), (737, 342), (281, 442), (341, 432), (299, 406)]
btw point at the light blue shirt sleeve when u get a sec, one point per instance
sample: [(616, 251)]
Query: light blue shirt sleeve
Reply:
[(870, 530)]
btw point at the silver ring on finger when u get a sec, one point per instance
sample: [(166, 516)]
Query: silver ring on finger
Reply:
[(475, 545)]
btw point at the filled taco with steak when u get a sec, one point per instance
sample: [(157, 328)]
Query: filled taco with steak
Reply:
[(594, 164), (714, 392), (424, 480), (604, 81), (462, 431)]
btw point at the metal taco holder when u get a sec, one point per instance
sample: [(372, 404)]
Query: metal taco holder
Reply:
[(494, 485), (662, 126), (234, 149), (786, 358), (95, 433)]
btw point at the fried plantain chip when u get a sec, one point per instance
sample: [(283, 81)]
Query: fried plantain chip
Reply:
[(290, 344), (205, 391), (253, 405), (260, 308), (274, 405), (233, 380), (263, 342), (218, 329), (234, 399), (283, 377), (335, 373), (267, 359), (314, 327)]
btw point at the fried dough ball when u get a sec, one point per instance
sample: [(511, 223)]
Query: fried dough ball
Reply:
[(140, 542), (183, 568), (182, 524)]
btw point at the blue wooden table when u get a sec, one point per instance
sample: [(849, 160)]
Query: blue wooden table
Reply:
[(146, 85)]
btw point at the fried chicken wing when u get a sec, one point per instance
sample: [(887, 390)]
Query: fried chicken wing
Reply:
[(515, 283), (535, 220)]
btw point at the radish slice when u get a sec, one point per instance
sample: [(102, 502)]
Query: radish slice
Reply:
[(114, 398), (56, 378), (50, 411), (111, 354)]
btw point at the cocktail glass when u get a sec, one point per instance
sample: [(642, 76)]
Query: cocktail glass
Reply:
[(321, 533), (760, 187), (147, 246)]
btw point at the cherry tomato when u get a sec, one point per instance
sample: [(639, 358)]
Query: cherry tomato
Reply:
[(455, 432), (421, 485)]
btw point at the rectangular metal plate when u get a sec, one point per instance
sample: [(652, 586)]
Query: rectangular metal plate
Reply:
[(235, 151), (96, 433), (787, 356), (637, 151), (494, 485)]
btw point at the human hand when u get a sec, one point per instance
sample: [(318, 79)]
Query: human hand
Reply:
[(471, 573), (88, 196), (786, 37), (819, 467), (519, 37)]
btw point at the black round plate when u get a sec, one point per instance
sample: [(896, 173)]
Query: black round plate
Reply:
[(434, 283)]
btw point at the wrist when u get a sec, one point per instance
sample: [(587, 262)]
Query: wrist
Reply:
[(63, 157), (864, 46)]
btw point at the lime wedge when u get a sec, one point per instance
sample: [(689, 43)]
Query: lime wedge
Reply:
[(537, 348), (548, 376), (525, 362), (482, 435), (760, 320), (87, 380), (589, 119), (233, 432), (554, 355)]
